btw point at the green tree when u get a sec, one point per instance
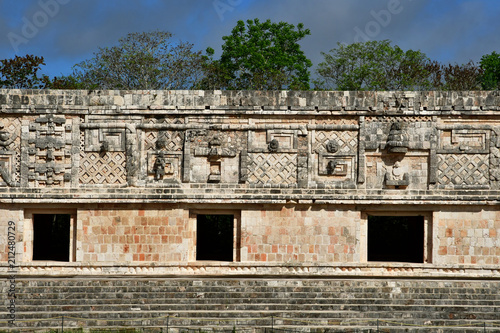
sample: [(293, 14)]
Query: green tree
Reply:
[(260, 56), (490, 63), (63, 82), (22, 73), (373, 65), (147, 60), (215, 76), (454, 77)]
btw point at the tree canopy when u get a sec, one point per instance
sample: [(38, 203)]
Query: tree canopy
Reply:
[(373, 65), (22, 72), (260, 56), (454, 76), (147, 60), (255, 56), (490, 63)]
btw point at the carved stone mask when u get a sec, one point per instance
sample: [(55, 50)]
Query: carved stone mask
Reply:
[(398, 138), (330, 167), (332, 146), (273, 145)]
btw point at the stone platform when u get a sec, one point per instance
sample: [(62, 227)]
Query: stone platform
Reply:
[(300, 188), (308, 304)]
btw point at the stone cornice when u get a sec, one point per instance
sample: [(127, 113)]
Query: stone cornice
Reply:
[(253, 102), (254, 270)]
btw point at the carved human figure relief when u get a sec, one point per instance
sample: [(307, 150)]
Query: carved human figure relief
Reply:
[(397, 176), (159, 166)]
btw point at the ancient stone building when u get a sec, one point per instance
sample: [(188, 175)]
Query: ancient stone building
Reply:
[(349, 185)]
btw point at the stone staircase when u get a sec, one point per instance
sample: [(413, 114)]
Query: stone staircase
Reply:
[(255, 303)]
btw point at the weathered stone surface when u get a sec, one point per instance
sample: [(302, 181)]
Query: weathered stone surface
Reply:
[(301, 172), (311, 305), (112, 138)]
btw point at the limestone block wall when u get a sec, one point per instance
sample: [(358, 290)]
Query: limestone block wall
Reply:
[(468, 236), (291, 234), (127, 234), (279, 234), (154, 233), (301, 172), (9, 229)]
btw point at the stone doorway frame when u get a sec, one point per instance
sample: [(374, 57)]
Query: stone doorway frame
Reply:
[(428, 231), (193, 214), (29, 235)]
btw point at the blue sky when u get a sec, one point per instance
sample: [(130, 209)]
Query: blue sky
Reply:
[(66, 32)]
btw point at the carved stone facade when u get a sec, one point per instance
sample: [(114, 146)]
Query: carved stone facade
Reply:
[(10, 156), (301, 172)]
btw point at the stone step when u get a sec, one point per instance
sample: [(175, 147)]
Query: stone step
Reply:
[(320, 287), (241, 313), (164, 286), (208, 302), (230, 301), (251, 324), (234, 303), (257, 280), (54, 292), (236, 281), (122, 295), (205, 322), (388, 314)]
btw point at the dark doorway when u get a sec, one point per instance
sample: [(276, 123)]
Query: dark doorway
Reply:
[(396, 238), (51, 237), (214, 240)]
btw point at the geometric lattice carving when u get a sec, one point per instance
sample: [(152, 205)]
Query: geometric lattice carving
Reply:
[(167, 140), (274, 168), (463, 169), (103, 168), (163, 120), (494, 166), (347, 141), (150, 138), (332, 120), (391, 119), (9, 132)]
